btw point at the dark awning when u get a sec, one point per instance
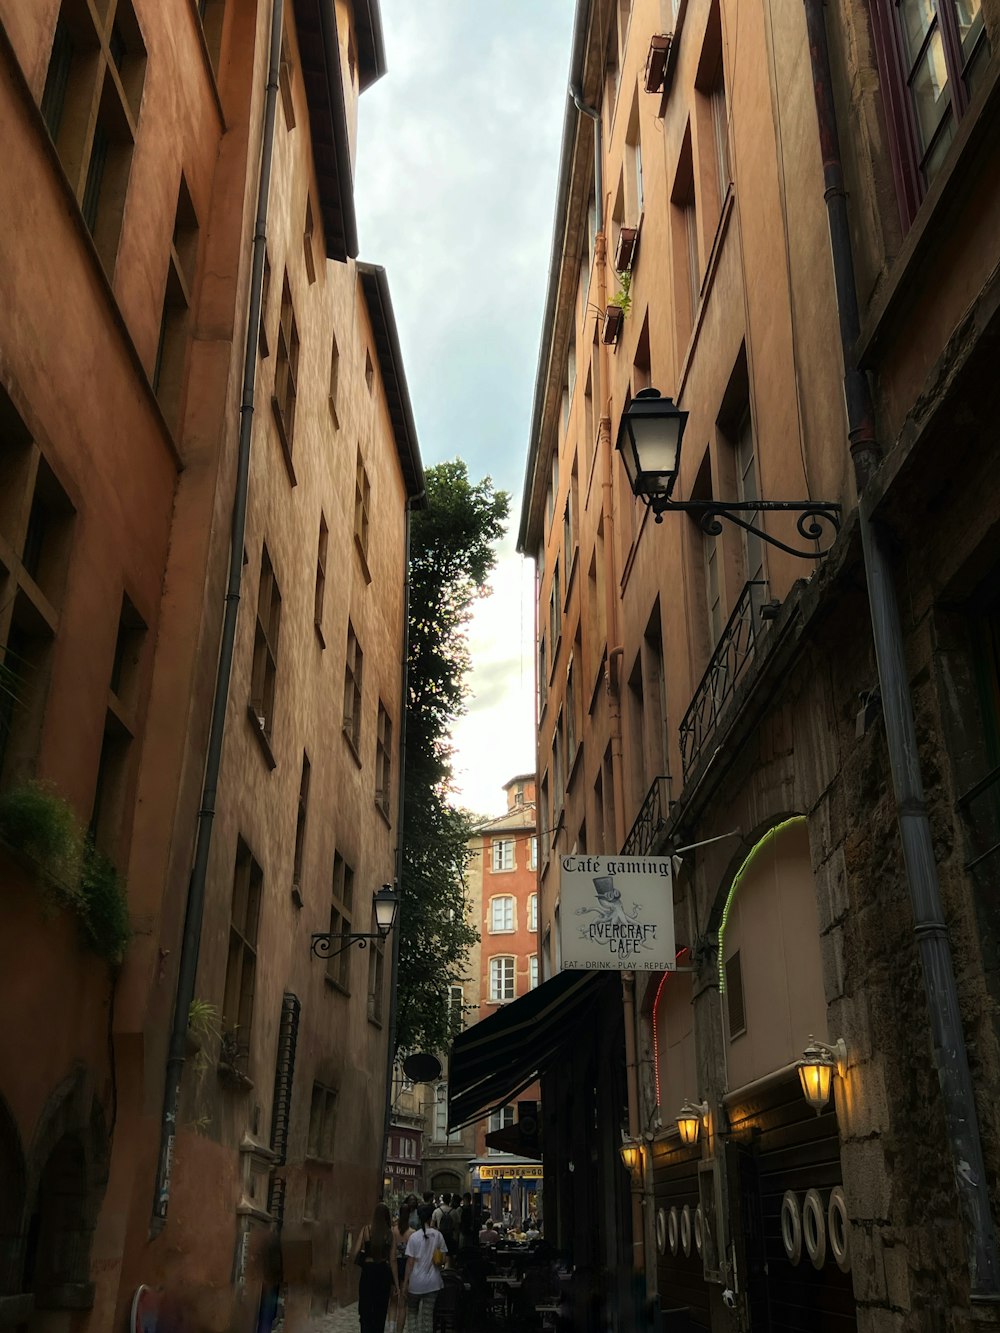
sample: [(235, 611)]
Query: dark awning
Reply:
[(497, 1058)]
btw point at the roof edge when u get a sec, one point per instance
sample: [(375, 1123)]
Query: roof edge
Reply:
[(371, 46), (376, 288)]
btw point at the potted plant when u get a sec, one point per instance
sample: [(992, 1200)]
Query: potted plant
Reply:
[(618, 307)]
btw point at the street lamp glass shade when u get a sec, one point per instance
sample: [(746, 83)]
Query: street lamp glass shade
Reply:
[(386, 906), (649, 441), (689, 1123), (816, 1070), (631, 1155)]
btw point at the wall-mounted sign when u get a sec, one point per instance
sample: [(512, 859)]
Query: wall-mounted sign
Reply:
[(616, 913), (533, 1172)]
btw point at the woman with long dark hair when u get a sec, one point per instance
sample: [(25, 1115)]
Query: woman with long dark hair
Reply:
[(402, 1230), (374, 1254), (426, 1252)]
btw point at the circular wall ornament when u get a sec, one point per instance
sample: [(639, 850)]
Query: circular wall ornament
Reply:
[(661, 1231), (791, 1227), (839, 1229), (686, 1230), (699, 1228), (672, 1230), (814, 1228)]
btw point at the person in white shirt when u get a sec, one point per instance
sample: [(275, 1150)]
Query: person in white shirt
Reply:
[(423, 1278)]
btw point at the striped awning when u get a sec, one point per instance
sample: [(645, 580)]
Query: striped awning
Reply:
[(495, 1059)]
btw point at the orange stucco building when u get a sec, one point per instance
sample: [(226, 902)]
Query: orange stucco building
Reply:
[(208, 457), (821, 307)]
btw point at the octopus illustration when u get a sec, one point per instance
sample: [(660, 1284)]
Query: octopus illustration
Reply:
[(609, 909)]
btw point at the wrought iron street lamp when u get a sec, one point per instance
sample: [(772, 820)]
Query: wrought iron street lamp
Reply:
[(649, 441), (817, 1067), (386, 905), (689, 1119)]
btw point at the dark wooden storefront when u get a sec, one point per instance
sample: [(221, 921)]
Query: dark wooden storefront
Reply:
[(775, 1144)]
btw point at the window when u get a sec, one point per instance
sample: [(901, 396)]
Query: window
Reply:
[(171, 347), (533, 971), (571, 728), (633, 169), (543, 677), (334, 379), (286, 369), (308, 252), (376, 972), (362, 504), (684, 243), (369, 373), (90, 104), (36, 520), (383, 760), (735, 1003), (300, 827), (558, 778), (265, 293), (501, 979), (456, 1008), (353, 669), (555, 612), (532, 853), (322, 1123), (320, 591), (124, 682), (338, 967), (503, 854), (931, 58), (502, 1119), (265, 648), (241, 966), (108, 810), (502, 914), (440, 1132), (533, 910), (212, 14), (285, 75), (313, 1205), (713, 129)]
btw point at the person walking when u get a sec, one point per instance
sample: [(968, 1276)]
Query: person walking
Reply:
[(401, 1232), (423, 1278), (379, 1278)]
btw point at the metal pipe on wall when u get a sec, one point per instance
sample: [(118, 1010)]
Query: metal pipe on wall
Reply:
[(920, 868), (191, 940)]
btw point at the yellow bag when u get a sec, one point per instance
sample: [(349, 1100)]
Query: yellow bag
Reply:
[(438, 1257)]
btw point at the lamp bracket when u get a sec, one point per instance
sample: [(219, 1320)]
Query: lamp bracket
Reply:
[(812, 515), (837, 1051), (322, 945)]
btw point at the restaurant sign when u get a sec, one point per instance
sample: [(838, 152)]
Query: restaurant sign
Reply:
[(533, 1172), (616, 913)]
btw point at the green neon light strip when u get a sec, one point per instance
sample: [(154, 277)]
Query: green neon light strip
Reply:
[(754, 851)]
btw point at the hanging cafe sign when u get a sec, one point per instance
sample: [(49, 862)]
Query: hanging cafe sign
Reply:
[(616, 913)]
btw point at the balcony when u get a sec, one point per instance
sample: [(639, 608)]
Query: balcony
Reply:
[(726, 668), (651, 818)]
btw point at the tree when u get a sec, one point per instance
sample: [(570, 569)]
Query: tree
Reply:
[(452, 551)]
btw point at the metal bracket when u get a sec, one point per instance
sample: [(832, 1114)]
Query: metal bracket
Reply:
[(812, 516), (322, 944)]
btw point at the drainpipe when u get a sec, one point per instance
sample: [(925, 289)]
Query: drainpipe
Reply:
[(191, 941), (405, 675), (929, 925)]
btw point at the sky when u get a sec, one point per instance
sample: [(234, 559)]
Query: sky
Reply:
[(458, 154)]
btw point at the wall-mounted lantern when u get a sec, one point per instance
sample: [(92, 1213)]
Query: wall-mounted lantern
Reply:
[(386, 906), (820, 1061), (689, 1119)]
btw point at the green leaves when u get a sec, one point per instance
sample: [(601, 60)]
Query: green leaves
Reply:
[(452, 552)]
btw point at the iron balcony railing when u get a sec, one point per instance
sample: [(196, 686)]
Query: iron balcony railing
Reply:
[(733, 653), (650, 820)]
